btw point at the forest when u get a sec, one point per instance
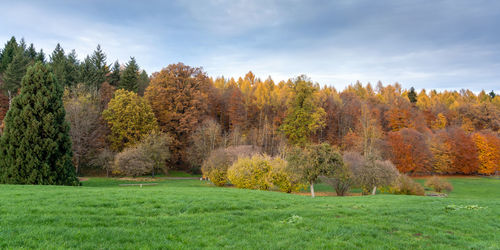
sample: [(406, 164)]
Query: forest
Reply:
[(177, 117)]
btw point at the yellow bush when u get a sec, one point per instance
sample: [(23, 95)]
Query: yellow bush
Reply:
[(282, 178), (251, 173), (439, 184)]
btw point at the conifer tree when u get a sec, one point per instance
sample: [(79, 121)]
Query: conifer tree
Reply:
[(412, 95), (130, 76), (14, 73), (35, 147), (40, 57), (143, 82), (7, 54), (114, 77), (99, 69)]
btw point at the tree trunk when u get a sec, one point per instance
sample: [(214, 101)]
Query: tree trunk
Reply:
[(312, 189), (10, 98), (374, 191)]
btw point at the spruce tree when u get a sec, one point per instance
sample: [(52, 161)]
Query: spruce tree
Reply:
[(143, 82), (130, 76), (58, 64), (99, 68), (8, 54), (114, 77), (14, 73), (40, 57), (35, 147)]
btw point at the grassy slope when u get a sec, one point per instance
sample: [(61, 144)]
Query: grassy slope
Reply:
[(193, 214)]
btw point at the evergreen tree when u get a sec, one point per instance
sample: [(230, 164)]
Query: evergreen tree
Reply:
[(40, 57), (130, 76), (14, 73), (412, 95), (31, 53), (58, 64), (72, 65), (8, 54), (143, 82), (99, 68), (35, 147), (492, 94), (114, 77)]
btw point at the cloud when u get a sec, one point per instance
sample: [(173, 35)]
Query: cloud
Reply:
[(423, 43)]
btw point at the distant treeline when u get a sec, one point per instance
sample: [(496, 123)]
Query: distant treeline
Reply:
[(426, 132)]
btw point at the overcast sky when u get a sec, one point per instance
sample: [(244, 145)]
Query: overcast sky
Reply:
[(427, 44)]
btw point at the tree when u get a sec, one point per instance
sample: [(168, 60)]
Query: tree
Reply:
[(143, 82), (440, 122), (314, 161), (130, 76), (206, 138), (14, 73), (179, 97), (83, 115), (114, 77), (130, 118), (488, 148), (409, 151), (156, 148), (412, 95), (8, 53), (36, 147), (465, 155), (105, 159), (132, 161), (370, 173), (442, 154), (304, 117)]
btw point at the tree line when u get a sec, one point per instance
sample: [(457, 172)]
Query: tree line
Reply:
[(112, 108)]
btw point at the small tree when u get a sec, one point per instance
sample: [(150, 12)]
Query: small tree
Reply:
[(439, 184), (370, 173), (133, 161), (205, 139), (105, 159), (156, 147), (314, 161)]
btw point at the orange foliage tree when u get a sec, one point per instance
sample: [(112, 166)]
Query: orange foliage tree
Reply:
[(178, 95), (488, 149), (409, 151), (465, 160)]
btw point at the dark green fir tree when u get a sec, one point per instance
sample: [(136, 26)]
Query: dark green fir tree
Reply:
[(8, 53), (114, 77), (130, 76), (35, 147), (14, 74), (412, 95)]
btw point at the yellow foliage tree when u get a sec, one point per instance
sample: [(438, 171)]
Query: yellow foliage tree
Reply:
[(130, 118), (488, 153), (440, 122)]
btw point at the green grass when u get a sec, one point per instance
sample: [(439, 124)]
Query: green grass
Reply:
[(193, 214)]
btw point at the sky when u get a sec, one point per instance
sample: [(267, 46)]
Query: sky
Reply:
[(431, 44)]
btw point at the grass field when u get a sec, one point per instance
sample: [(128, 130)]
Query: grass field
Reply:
[(193, 214)]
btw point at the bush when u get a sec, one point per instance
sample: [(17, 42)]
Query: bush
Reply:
[(132, 161), (439, 184), (341, 180), (284, 179), (370, 173), (216, 165), (251, 173), (405, 185)]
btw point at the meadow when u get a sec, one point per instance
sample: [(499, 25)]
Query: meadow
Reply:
[(178, 214)]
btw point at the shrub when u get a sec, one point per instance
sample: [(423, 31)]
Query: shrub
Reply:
[(370, 173), (216, 165), (132, 161), (251, 173), (439, 184), (405, 185), (341, 180), (284, 179)]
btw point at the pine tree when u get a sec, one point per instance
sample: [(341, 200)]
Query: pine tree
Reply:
[(71, 68), (130, 76), (7, 54), (35, 147), (114, 77), (31, 53), (14, 73), (58, 64)]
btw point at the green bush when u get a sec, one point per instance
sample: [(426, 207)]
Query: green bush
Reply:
[(251, 173), (405, 185), (439, 184)]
